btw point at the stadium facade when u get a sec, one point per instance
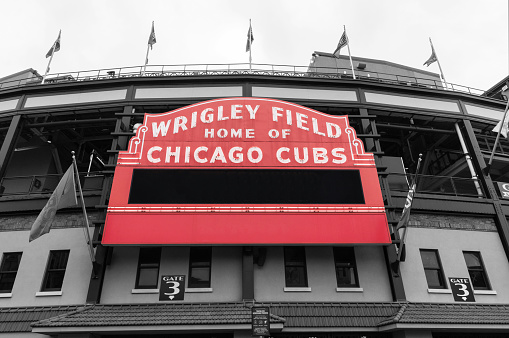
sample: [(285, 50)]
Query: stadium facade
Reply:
[(212, 192)]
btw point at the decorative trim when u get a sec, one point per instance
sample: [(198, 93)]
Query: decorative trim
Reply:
[(48, 293), (6, 295), (439, 291), (349, 290), (485, 292), (288, 289), (145, 291), (196, 290)]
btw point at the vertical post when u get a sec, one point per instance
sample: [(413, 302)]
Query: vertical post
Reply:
[(87, 230), (349, 54), (249, 40), (247, 273), (146, 61), (469, 161), (438, 62), (49, 63), (9, 143)]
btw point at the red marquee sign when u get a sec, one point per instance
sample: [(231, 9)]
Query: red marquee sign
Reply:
[(245, 171)]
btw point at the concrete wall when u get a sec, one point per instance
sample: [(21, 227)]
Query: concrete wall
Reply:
[(33, 265), (450, 245), (226, 272), (372, 273)]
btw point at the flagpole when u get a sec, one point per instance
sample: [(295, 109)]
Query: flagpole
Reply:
[(146, 60), (249, 38), (487, 169), (89, 240), (51, 58), (414, 183), (438, 61), (349, 54)]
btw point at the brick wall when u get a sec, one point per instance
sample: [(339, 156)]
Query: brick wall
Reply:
[(62, 220), (452, 222)]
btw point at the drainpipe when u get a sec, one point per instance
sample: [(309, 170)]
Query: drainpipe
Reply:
[(469, 161)]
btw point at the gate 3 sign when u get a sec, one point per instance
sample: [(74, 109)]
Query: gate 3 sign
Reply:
[(461, 289), (245, 171), (172, 287)]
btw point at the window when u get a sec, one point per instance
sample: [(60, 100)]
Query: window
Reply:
[(199, 267), (476, 270), (295, 267), (55, 270), (433, 269), (346, 270), (8, 270), (147, 276)]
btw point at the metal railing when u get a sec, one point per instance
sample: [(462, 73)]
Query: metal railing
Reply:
[(239, 69), (442, 185), (40, 184)]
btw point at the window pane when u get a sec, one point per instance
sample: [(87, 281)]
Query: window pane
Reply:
[(472, 260), (55, 271), (148, 268), (200, 267), (295, 254), (200, 276), (345, 276), (345, 267), (7, 281), (434, 279), (429, 259), (54, 281), (478, 279), (476, 270), (295, 276), (11, 261), (148, 277)]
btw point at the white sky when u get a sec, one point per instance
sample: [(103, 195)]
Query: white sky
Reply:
[(470, 36)]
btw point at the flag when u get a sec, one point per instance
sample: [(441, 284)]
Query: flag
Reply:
[(55, 48), (342, 43), (405, 216), (63, 196), (250, 38), (502, 124), (433, 56), (152, 37)]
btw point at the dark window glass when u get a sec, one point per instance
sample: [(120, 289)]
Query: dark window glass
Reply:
[(9, 270), (147, 276), (295, 267), (433, 269), (346, 269), (55, 270), (240, 186), (199, 267), (476, 270)]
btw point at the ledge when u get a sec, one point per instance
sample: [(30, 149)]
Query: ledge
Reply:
[(197, 290), (439, 291), (485, 292), (349, 290), (145, 291), (48, 293), (286, 289), (6, 295)]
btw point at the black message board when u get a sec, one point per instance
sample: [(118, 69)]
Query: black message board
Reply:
[(260, 321)]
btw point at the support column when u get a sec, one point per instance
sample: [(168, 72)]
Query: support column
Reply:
[(9, 143), (102, 253), (390, 252), (247, 273), (479, 164)]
